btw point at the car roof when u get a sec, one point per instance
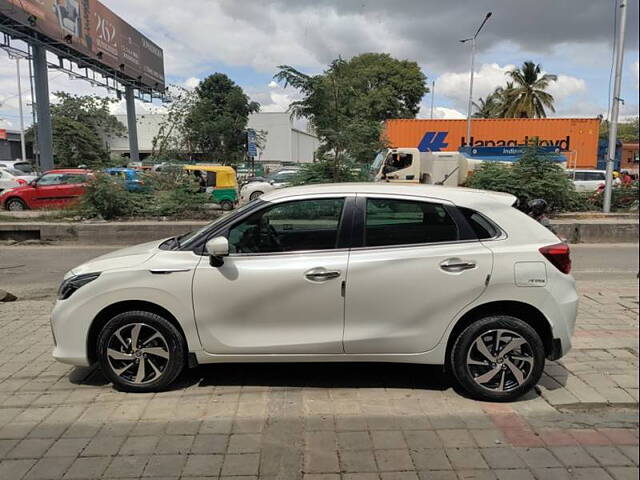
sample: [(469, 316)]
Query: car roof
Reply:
[(457, 195), (68, 170)]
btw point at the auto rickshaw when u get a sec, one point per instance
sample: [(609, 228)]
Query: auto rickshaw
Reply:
[(220, 181)]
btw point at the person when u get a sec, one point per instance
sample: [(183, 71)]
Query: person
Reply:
[(537, 211), (201, 180), (616, 178), (626, 178)]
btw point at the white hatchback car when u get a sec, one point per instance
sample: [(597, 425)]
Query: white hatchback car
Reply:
[(587, 180), (332, 273), (280, 179)]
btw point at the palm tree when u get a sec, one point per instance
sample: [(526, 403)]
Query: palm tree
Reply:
[(528, 98), (486, 107)]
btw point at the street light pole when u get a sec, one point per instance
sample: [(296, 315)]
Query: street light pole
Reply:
[(470, 105), (433, 93), (615, 107), (473, 58)]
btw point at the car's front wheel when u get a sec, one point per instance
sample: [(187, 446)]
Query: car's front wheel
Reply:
[(256, 194), (140, 351), (15, 205), (498, 358)]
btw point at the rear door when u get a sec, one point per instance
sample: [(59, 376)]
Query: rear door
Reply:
[(409, 274)]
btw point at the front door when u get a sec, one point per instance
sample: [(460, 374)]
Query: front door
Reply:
[(411, 277), (280, 289)]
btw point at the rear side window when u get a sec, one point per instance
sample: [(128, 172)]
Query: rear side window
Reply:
[(405, 222), (481, 225)]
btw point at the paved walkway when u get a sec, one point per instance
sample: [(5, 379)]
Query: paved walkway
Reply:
[(323, 422)]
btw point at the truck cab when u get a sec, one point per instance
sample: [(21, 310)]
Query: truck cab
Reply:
[(410, 165)]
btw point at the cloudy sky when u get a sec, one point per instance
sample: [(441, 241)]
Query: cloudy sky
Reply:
[(247, 40)]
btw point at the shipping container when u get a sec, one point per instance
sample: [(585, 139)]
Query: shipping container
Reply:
[(578, 137)]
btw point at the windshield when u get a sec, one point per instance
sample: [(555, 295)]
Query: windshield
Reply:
[(15, 172), (377, 162), (187, 238)]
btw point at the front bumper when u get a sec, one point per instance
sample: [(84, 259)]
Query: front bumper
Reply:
[(70, 337)]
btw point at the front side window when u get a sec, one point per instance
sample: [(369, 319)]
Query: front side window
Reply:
[(74, 178), (287, 227), (405, 222), (51, 179)]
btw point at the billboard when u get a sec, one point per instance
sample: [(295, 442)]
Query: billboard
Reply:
[(94, 31)]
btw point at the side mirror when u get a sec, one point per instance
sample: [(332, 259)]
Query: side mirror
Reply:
[(34, 183), (217, 248)]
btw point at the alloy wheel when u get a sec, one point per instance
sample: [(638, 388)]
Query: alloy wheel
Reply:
[(138, 353), (500, 360)]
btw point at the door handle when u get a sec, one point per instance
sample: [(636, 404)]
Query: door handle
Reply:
[(321, 274), (457, 265)]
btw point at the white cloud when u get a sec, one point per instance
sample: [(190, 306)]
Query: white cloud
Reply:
[(455, 86), (635, 68), (566, 86), (191, 82)]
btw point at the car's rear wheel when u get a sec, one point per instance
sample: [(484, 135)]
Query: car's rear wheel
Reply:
[(226, 205), (15, 205), (140, 351), (498, 358), (256, 194)]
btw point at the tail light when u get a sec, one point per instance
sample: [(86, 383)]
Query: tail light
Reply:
[(558, 254), (21, 181)]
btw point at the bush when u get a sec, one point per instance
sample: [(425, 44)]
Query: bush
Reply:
[(327, 171), (533, 176), (107, 197), (166, 194)]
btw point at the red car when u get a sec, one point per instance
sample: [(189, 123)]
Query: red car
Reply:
[(54, 189)]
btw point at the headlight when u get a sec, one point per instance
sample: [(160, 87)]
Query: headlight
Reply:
[(72, 284)]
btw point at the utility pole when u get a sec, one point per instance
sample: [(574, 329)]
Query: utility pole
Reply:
[(41, 81), (433, 93), (473, 58), (615, 105), (132, 126), (22, 142)]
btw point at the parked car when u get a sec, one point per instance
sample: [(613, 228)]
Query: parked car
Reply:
[(326, 273), (54, 189), (21, 165), (281, 178), (129, 176), (11, 178), (587, 180)]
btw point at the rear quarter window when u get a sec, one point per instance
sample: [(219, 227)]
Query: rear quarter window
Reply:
[(481, 225)]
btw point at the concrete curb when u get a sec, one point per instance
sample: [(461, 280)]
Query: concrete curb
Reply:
[(127, 233)]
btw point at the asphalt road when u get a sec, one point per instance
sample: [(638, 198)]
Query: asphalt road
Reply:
[(36, 271)]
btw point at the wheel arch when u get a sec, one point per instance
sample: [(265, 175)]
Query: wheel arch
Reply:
[(6, 202), (524, 311), (114, 309)]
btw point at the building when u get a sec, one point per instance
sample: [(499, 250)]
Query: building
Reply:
[(284, 143), (576, 138), (10, 148), (630, 157)]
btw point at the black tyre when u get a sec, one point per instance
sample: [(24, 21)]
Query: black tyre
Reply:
[(141, 351), (498, 358), (226, 205), (256, 194), (15, 205)]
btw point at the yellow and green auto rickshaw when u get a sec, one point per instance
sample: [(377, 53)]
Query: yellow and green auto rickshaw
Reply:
[(221, 181)]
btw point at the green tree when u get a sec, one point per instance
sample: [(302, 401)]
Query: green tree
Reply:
[(216, 124), (528, 97), (348, 103), (627, 131), (534, 175), (82, 126), (172, 141)]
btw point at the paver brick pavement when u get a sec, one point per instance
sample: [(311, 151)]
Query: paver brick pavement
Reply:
[(323, 422)]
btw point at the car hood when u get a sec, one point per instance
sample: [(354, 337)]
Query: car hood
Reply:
[(123, 258), (17, 190)]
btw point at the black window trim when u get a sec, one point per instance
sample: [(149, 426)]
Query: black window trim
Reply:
[(345, 229), (359, 223), (500, 235)]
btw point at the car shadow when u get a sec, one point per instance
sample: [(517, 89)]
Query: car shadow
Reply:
[(301, 375)]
